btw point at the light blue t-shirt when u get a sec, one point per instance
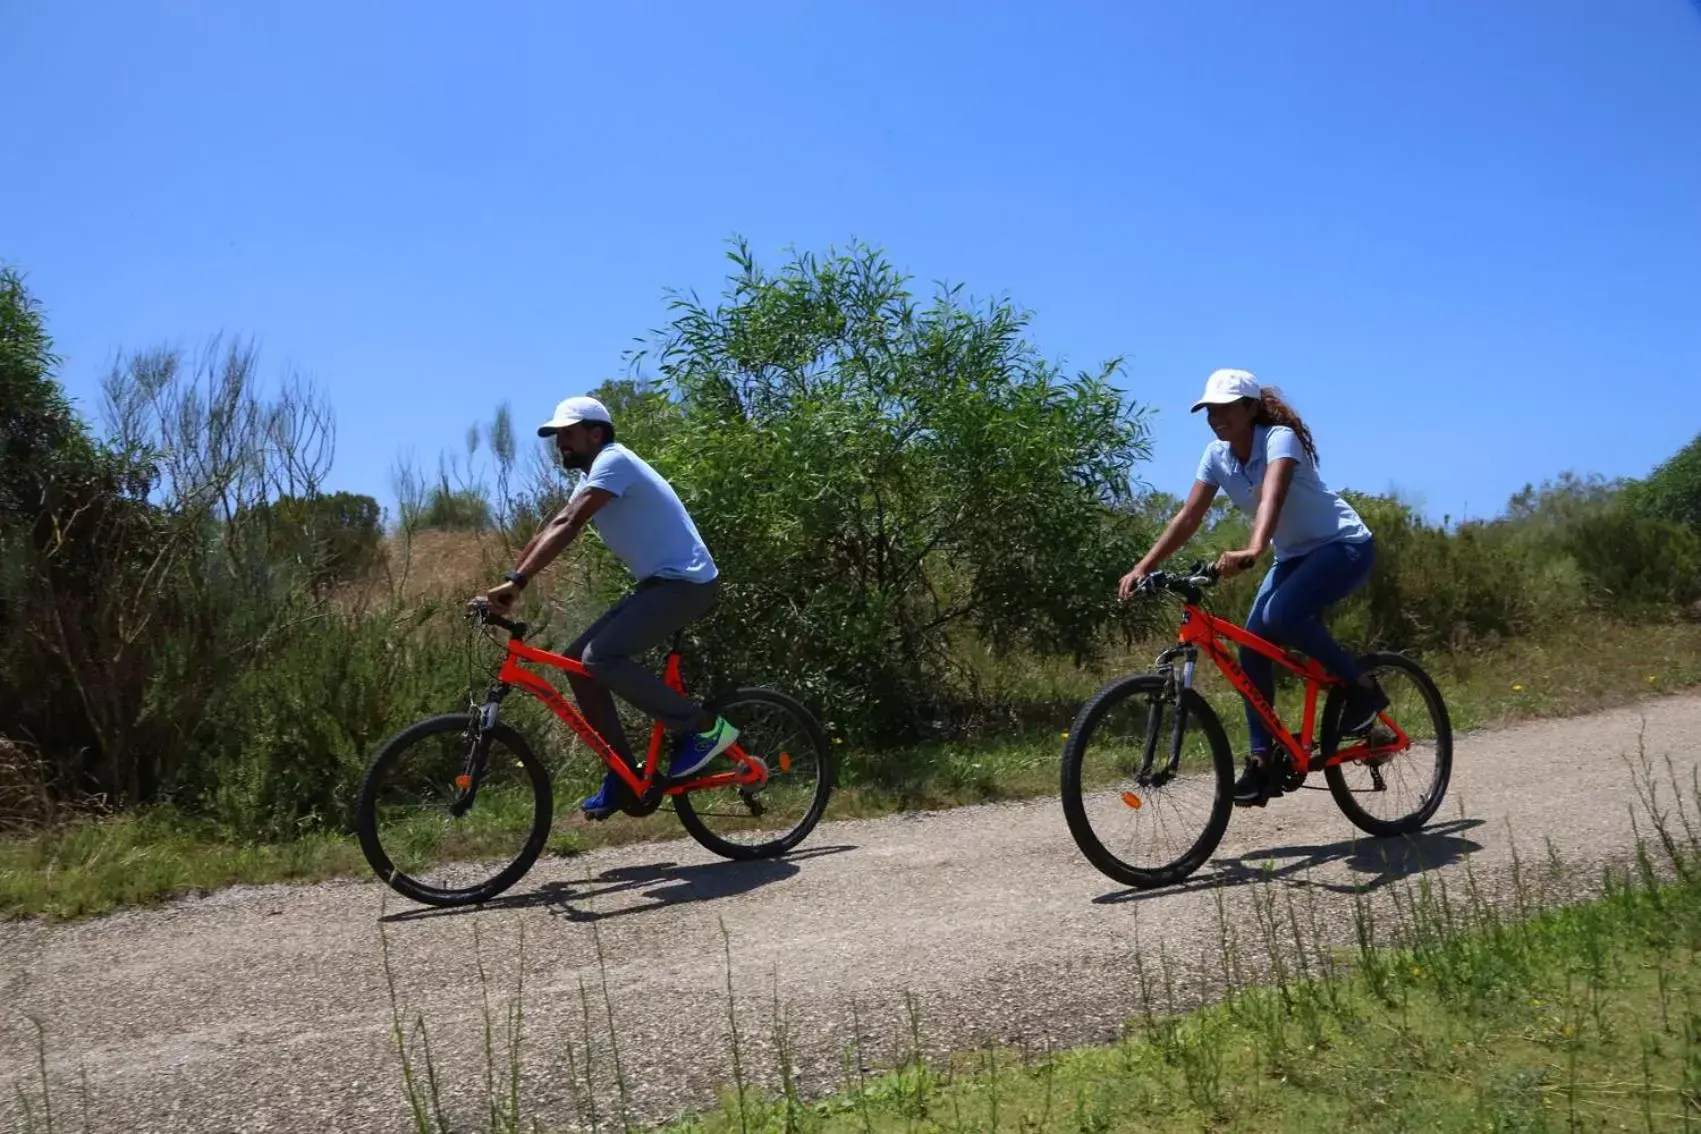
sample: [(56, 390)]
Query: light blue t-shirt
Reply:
[(645, 525), (1311, 516)]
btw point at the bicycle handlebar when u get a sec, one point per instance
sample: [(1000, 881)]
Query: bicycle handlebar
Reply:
[(1190, 582), (482, 612)]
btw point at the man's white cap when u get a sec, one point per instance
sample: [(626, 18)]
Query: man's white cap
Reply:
[(571, 412), (1225, 386)]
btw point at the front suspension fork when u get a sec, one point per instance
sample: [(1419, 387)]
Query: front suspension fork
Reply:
[(1175, 686), (478, 751)]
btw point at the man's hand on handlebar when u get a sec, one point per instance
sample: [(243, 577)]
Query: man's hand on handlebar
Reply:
[(499, 600)]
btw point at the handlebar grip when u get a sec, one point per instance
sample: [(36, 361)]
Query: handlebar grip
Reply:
[(484, 614)]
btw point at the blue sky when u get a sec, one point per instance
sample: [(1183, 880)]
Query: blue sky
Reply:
[(1464, 236)]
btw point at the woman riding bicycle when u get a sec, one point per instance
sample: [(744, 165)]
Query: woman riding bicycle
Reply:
[(1264, 458)]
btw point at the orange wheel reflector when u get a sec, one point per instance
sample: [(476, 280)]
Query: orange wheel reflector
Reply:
[(463, 781), (785, 761), (1131, 800)]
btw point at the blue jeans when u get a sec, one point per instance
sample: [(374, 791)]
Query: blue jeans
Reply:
[(1288, 611)]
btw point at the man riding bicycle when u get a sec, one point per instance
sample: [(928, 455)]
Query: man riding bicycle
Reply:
[(643, 523)]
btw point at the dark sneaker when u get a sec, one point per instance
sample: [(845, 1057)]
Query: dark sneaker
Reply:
[(1361, 708), (1257, 784)]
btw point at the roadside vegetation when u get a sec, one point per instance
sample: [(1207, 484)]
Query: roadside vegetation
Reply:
[(920, 517)]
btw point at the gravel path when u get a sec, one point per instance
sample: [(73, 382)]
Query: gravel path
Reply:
[(265, 1008)]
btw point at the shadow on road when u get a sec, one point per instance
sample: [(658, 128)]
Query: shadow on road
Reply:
[(663, 883), (1377, 862)]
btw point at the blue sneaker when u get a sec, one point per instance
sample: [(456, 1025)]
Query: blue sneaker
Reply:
[(607, 799), (698, 748)]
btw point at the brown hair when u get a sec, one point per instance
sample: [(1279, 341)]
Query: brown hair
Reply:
[(1274, 410)]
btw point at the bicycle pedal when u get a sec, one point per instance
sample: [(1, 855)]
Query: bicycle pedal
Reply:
[(639, 807), (1262, 800)]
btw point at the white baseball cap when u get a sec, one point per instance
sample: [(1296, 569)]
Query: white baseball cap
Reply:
[(571, 412), (1225, 386)]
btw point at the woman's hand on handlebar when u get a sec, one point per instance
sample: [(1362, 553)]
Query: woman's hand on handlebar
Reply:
[(1232, 563)]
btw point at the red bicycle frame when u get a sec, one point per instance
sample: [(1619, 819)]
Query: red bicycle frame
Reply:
[(753, 771), (1203, 631)]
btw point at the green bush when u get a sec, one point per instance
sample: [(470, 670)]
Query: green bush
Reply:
[(283, 744), (334, 537), (897, 493), (450, 510), (1636, 563), (1431, 589), (1673, 490)]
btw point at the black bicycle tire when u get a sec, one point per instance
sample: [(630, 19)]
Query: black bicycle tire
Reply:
[(1074, 804), (712, 842), (1336, 779), (366, 817)]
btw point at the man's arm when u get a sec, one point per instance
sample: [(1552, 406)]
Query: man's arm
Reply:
[(550, 541), (557, 535)]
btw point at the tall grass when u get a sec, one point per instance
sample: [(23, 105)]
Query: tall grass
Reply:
[(82, 866)]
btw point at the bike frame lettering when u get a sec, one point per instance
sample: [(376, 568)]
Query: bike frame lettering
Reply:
[(1205, 631)]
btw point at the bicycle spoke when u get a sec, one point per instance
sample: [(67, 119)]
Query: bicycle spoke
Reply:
[(744, 820), (410, 804), (1397, 791)]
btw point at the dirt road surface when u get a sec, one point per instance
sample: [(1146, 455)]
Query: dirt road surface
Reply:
[(266, 1008)]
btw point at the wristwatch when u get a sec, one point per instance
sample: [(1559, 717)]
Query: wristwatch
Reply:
[(516, 578)]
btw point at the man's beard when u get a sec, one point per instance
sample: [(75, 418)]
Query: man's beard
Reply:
[(571, 461)]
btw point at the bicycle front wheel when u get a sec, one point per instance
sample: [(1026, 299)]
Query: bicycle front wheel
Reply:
[(1148, 782), (422, 833), (739, 823)]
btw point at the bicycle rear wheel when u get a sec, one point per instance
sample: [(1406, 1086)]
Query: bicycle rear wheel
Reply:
[(1147, 802), (740, 823), (422, 833), (1397, 793)]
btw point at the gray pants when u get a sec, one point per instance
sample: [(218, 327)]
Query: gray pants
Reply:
[(641, 621)]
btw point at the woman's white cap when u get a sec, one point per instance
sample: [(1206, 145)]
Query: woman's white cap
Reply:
[(1225, 386)]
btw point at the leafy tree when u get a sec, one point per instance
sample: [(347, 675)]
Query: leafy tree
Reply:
[(334, 537), (450, 509), (1673, 490), (73, 516), (871, 473)]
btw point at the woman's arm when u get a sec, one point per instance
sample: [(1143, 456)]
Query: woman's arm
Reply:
[(1277, 479), (1176, 533)]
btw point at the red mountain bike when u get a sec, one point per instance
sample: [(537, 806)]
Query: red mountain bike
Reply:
[(1150, 818), (455, 809)]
